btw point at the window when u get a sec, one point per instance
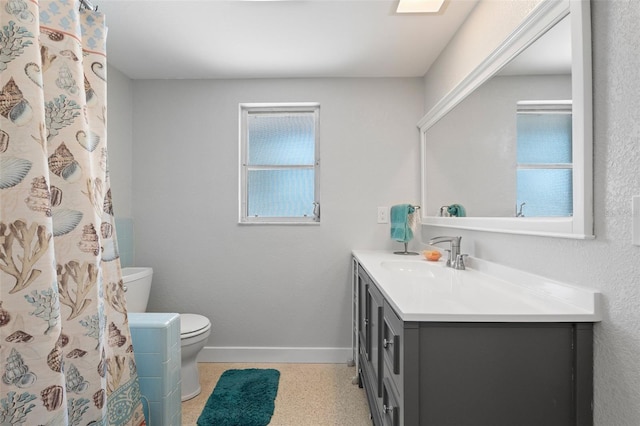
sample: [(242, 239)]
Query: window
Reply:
[(545, 169), (280, 163)]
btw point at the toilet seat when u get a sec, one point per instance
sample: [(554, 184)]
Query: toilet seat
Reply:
[(193, 325)]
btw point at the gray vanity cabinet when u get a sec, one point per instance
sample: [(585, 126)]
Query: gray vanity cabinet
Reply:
[(471, 373)]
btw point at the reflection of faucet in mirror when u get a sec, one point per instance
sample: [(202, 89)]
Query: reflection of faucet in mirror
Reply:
[(519, 211), (455, 247)]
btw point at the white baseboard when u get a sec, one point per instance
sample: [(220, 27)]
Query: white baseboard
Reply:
[(276, 355)]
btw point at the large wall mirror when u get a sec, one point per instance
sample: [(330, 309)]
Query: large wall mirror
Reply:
[(512, 144)]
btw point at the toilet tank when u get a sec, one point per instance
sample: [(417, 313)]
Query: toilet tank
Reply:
[(137, 285)]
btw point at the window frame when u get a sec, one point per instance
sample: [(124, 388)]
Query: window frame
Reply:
[(245, 109)]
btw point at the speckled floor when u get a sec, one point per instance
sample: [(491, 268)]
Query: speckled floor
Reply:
[(308, 395)]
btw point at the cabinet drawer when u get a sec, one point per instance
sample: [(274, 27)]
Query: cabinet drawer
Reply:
[(391, 406), (393, 344)]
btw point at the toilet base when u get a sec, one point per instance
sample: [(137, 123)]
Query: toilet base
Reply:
[(191, 343), (189, 375), (190, 381)]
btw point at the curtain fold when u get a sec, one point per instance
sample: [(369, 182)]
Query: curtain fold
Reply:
[(66, 356)]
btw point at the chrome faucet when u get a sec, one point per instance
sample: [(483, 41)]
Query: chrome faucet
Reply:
[(454, 252)]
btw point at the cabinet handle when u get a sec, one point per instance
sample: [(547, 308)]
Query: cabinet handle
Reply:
[(386, 343), (387, 408)]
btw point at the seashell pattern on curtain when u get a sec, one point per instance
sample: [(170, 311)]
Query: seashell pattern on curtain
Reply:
[(66, 356)]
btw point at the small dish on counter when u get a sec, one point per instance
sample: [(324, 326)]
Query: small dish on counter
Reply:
[(432, 255)]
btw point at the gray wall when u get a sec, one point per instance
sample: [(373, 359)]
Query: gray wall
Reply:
[(609, 263), (120, 142), (120, 139), (266, 286)]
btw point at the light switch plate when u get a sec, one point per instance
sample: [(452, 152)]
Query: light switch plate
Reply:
[(383, 214), (635, 220)]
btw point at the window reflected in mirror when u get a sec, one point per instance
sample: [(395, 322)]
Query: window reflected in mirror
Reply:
[(512, 141), (512, 138), (544, 184)]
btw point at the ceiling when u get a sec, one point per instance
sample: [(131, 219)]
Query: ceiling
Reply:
[(203, 39)]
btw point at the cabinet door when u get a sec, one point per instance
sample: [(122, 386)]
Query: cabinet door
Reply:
[(355, 337), (372, 399), (374, 304), (363, 313), (498, 374)]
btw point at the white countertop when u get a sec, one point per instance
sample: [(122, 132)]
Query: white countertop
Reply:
[(419, 290)]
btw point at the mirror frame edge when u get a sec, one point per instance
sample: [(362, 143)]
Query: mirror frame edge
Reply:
[(543, 17)]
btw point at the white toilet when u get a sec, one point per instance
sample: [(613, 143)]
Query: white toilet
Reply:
[(194, 329)]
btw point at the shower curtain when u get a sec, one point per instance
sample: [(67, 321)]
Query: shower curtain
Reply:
[(66, 356)]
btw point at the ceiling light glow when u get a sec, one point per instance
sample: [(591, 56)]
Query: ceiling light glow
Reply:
[(419, 6)]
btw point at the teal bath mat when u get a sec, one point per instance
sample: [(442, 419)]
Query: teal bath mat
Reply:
[(242, 398)]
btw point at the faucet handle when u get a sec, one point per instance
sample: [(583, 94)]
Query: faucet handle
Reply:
[(459, 262), (449, 260)]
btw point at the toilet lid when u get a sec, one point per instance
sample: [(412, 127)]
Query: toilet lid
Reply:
[(192, 323)]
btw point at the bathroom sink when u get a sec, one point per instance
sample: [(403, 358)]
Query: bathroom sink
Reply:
[(415, 268)]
